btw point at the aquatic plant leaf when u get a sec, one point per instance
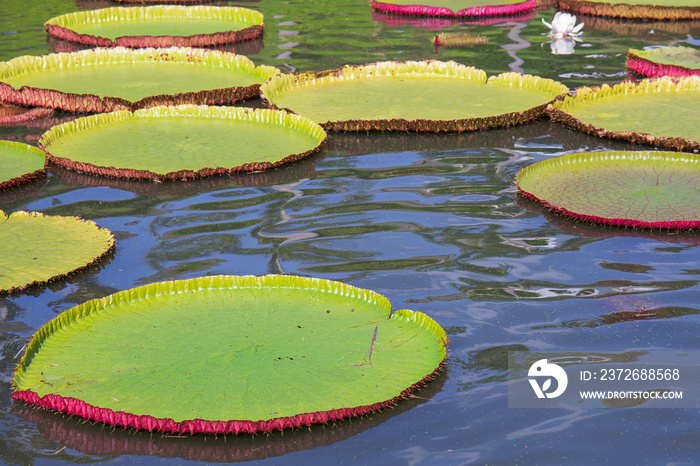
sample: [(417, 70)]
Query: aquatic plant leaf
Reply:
[(158, 26), (20, 163), (426, 96), (661, 112), (638, 189), (37, 248), (665, 61), (180, 142), (456, 8), (635, 9), (119, 78), (229, 354), (457, 40)]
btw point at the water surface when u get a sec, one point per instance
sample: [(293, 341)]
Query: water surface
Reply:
[(433, 222)]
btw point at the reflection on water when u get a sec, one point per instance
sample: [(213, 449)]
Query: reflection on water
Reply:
[(433, 222)]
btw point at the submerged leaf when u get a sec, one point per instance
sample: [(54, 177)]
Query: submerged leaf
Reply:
[(229, 354)]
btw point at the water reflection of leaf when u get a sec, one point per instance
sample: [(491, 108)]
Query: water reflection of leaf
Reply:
[(631, 316), (94, 439)]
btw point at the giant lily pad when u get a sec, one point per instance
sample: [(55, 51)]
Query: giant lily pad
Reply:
[(158, 26), (635, 9), (20, 163), (662, 112), (637, 189), (229, 354), (180, 142), (37, 248), (107, 79), (665, 61), (457, 8), (427, 96)]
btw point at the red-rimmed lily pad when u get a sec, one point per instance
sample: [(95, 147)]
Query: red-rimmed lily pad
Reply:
[(37, 248), (635, 9), (20, 163), (665, 61), (425, 96), (661, 112), (119, 78), (181, 142), (455, 8), (12, 114), (158, 26), (635, 189), (229, 355)]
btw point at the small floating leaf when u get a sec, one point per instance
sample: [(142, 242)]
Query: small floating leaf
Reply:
[(158, 26), (635, 9), (426, 96), (665, 61), (456, 40), (456, 8), (638, 189), (661, 112), (37, 248), (229, 354), (107, 79), (181, 142), (19, 163)]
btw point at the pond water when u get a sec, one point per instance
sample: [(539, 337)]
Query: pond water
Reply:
[(432, 222)]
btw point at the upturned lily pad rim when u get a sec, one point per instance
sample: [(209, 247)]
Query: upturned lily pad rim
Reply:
[(269, 116), (526, 182), (61, 26), (557, 110), (90, 103), (430, 68), (73, 406), (630, 11), (643, 62), (418, 9), (109, 250), (27, 177)]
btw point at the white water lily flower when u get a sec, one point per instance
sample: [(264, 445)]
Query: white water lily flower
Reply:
[(563, 25)]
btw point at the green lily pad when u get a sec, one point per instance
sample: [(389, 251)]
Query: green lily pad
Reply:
[(665, 61), (635, 9), (660, 112), (458, 8), (637, 189), (37, 248), (119, 78), (158, 26), (20, 163), (427, 96), (185, 141), (228, 354)]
